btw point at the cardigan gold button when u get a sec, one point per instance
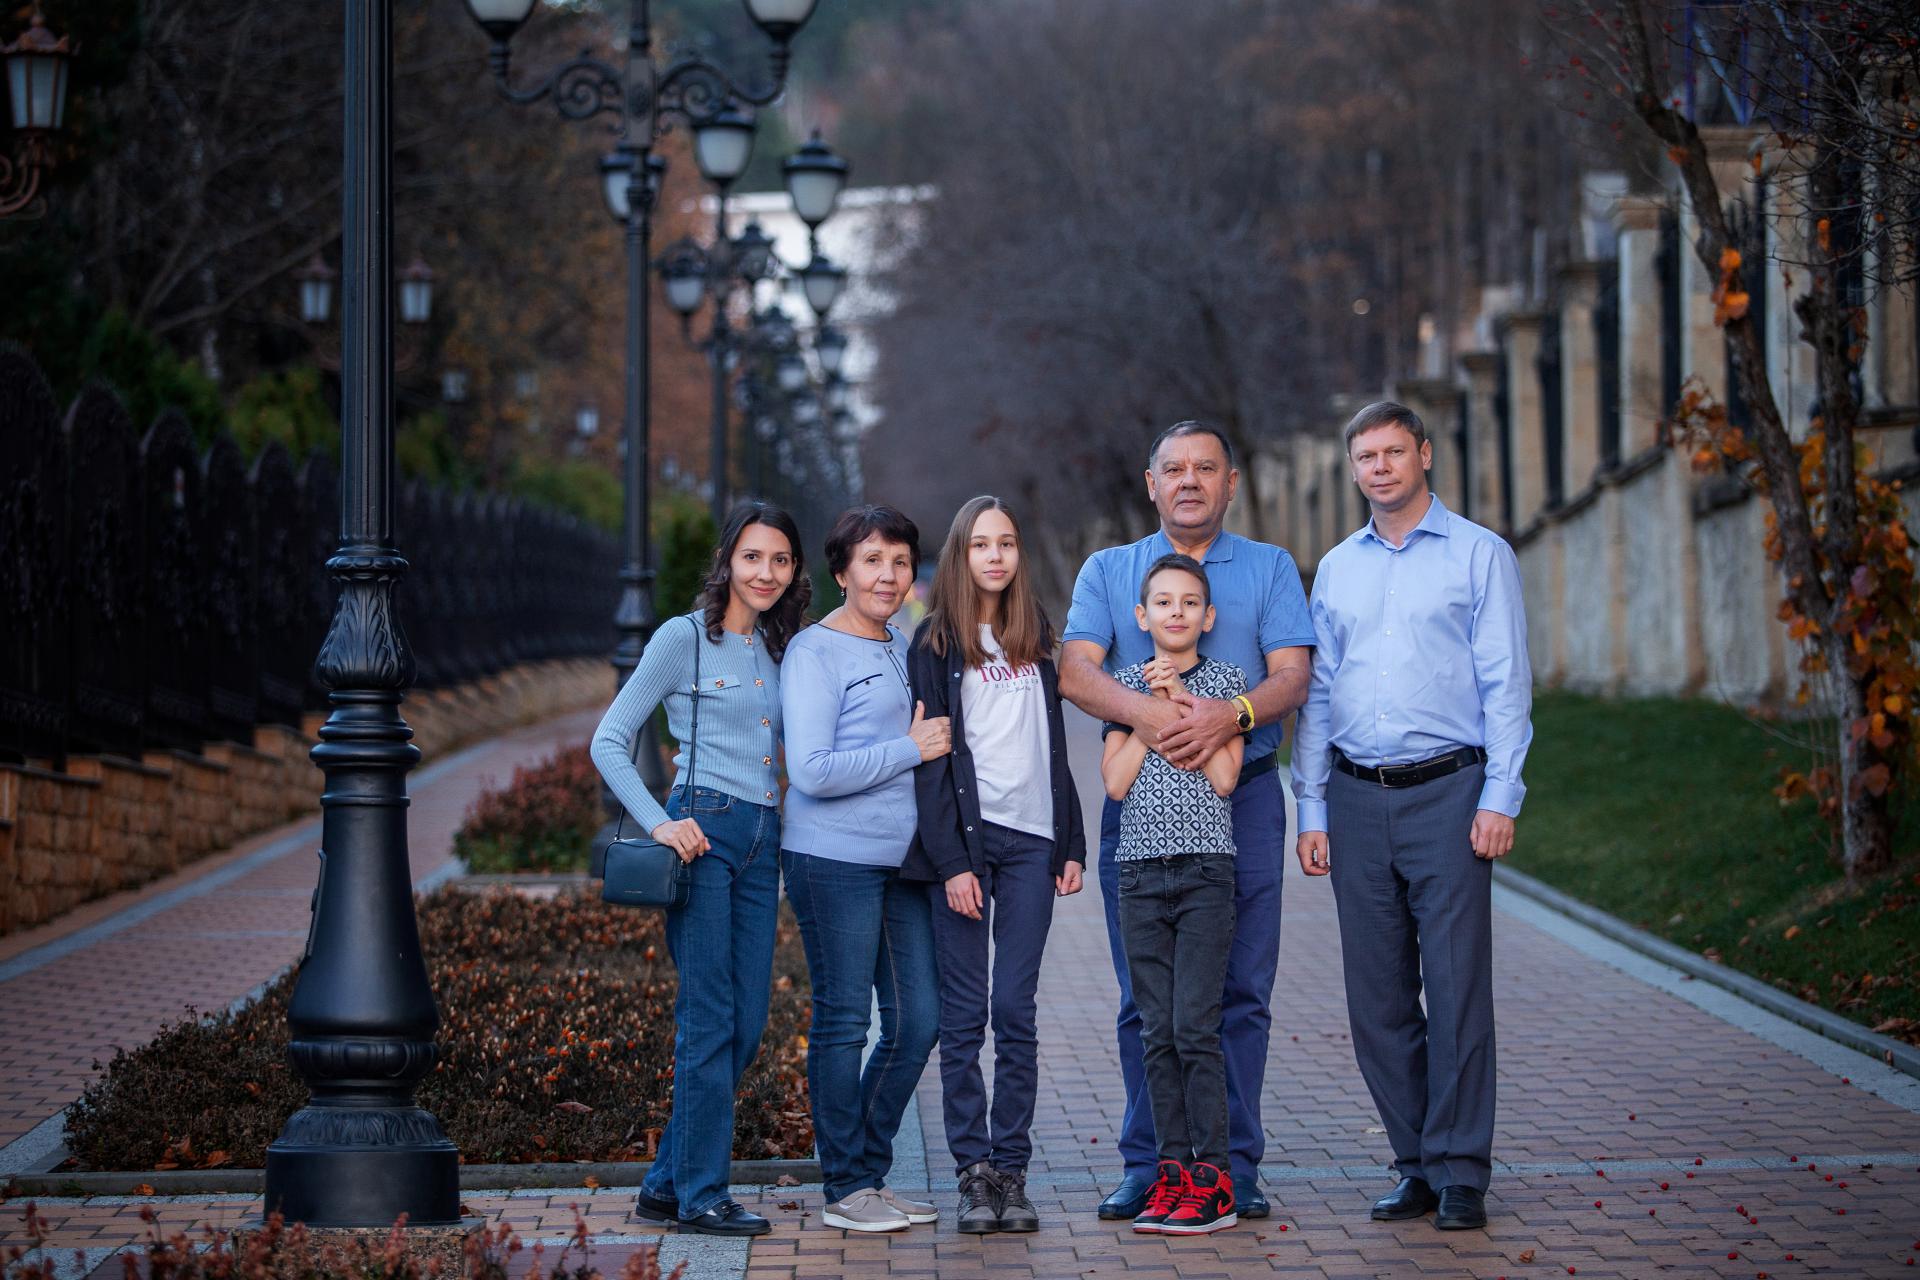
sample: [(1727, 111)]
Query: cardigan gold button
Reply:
[(766, 759), (764, 720), (759, 681), (769, 795)]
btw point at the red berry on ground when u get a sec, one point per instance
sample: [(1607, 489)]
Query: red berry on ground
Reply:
[(1731, 1255), (1663, 1186), (1697, 1160), (1650, 1213)]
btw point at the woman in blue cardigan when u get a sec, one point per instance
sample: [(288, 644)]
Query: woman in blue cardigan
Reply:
[(727, 828), (854, 737), (999, 836)]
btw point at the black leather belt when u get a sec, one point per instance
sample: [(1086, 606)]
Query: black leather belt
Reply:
[(1251, 769), (1412, 775)]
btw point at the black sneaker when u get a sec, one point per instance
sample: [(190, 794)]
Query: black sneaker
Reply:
[(979, 1199), (1207, 1206), (1016, 1211)]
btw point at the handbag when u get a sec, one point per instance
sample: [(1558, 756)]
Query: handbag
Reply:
[(640, 871)]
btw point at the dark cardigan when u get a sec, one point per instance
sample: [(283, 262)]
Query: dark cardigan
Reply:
[(949, 838)]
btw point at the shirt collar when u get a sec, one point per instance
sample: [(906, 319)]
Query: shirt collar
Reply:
[(1434, 522), (1220, 551)]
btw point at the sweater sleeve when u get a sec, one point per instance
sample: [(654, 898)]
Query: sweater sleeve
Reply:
[(665, 665), (811, 688)]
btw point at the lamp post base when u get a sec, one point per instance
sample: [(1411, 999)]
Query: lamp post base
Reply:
[(363, 1167)]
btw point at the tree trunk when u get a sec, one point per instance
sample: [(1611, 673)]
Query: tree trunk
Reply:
[(1866, 819)]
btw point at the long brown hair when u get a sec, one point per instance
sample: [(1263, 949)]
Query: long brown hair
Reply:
[(1021, 625)]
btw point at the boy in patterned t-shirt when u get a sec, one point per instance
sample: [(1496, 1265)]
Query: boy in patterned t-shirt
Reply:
[(1175, 866)]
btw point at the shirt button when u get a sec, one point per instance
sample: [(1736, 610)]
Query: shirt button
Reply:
[(1389, 632), (769, 795), (759, 681), (764, 720), (766, 759)]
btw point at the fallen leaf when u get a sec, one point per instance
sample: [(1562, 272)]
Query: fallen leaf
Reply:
[(592, 1183), (788, 1206), (144, 1189), (1793, 931), (786, 1180), (575, 1108), (215, 1160), (1526, 1255)]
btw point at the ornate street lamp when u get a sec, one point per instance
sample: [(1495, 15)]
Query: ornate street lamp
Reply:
[(683, 274), (723, 146), (362, 1018), (645, 98), (830, 344), (586, 421), (815, 177), (791, 372), (36, 75), (453, 386), (821, 280), (316, 290)]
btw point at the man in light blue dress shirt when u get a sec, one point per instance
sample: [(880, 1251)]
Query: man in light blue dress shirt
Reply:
[(1406, 767)]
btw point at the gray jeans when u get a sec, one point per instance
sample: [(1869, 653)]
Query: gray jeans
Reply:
[(1176, 923)]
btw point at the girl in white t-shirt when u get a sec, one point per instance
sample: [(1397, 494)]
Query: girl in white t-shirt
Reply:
[(999, 836)]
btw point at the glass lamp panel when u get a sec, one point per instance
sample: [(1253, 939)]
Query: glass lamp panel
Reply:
[(831, 347), (416, 301), (684, 291), (781, 19), (587, 421), (615, 180), (511, 11), (316, 301), (814, 192), (821, 282), (792, 373), (18, 65), (723, 148), (453, 386)]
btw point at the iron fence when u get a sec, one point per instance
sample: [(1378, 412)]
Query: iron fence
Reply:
[(156, 595)]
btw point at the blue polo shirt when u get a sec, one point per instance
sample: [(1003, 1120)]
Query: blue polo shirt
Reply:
[(1258, 606)]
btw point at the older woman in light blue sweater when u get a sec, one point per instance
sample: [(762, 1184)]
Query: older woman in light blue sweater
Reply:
[(854, 736), (725, 823)]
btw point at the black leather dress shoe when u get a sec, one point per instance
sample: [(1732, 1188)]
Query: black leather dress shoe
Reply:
[(728, 1218), (1461, 1209), (1413, 1198), (654, 1209), (1252, 1203), (1128, 1199)]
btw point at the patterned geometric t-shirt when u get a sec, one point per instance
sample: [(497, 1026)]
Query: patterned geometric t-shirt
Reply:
[(1171, 811)]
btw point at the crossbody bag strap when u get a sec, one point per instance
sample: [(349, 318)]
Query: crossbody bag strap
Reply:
[(693, 743)]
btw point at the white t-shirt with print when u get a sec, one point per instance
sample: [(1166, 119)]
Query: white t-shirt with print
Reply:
[(1004, 709)]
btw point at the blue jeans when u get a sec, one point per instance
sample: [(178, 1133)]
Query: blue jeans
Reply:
[(722, 944), (1018, 893), (866, 931), (1246, 1017)]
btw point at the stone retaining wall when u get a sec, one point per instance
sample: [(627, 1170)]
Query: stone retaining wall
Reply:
[(108, 823)]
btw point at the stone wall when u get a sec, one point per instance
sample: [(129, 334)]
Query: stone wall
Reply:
[(107, 823), (1640, 577)]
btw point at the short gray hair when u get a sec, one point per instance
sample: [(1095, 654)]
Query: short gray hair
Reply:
[(1190, 427), (1384, 413)]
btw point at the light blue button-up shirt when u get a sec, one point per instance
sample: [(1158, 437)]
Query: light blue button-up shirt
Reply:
[(1419, 650), (1258, 606)]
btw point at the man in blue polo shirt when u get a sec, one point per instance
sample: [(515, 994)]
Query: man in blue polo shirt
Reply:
[(1261, 626)]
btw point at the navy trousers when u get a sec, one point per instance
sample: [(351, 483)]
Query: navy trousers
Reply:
[(1416, 907), (1018, 888), (1246, 1016)]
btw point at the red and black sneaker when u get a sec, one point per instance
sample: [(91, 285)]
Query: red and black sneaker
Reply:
[(1206, 1207), (1165, 1197)]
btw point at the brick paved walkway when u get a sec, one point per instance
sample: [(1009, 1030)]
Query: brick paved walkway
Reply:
[(114, 973), (1610, 1088)]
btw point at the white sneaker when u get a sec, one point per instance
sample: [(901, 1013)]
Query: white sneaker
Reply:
[(864, 1210), (916, 1210)]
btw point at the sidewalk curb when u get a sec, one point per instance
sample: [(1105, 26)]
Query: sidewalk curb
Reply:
[(473, 1177), (1902, 1057)]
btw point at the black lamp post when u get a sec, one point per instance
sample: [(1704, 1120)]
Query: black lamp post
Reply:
[(362, 1017), (645, 97)]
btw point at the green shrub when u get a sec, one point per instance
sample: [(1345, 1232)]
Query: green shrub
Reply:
[(684, 531), (287, 407), (578, 486), (555, 1043), (543, 820)]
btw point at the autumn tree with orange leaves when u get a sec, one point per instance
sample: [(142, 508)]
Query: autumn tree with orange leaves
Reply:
[(1835, 83)]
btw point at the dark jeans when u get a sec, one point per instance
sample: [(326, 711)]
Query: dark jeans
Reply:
[(1018, 892), (1260, 854), (866, 932), (722, 944), (1176, 921)]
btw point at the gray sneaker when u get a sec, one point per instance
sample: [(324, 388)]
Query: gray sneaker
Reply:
[(979, 1199), (916, 1210), (1016, 1211), (864, 1210)]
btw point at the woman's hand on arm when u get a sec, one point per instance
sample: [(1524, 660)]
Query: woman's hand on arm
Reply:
[(964, 896), (933, 736)]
